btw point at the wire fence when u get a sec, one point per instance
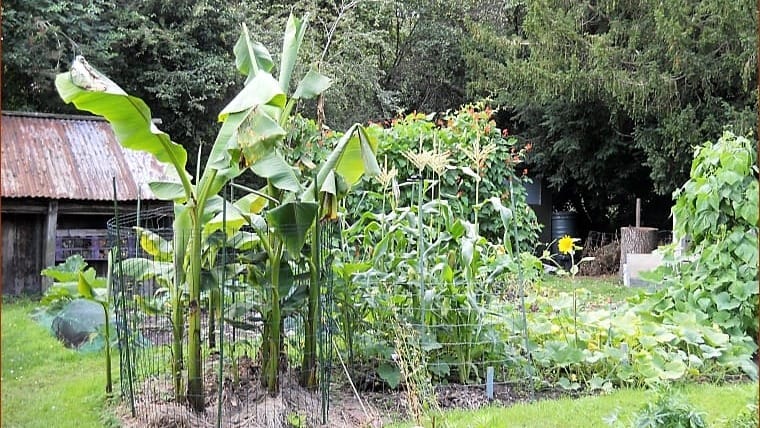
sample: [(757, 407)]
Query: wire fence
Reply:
[(383, 348), (457, 348)]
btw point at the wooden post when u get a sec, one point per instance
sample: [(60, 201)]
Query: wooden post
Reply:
[(51, 226), (638, 212)]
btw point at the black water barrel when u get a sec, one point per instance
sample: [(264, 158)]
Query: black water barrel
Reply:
[(563, 223)]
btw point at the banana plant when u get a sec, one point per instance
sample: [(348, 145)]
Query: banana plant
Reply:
[(250, 138), (252, 124), (283, 232)]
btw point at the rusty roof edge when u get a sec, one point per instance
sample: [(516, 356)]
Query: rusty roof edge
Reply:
[(52, 115), (62, 116)]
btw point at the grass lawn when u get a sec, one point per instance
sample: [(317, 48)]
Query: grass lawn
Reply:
[(43, 383), (720, 403), (46, 385), (599, 286)]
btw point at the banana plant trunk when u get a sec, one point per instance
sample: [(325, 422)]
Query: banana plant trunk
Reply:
[(309, 364), (273, 355), (178, 322), (177, 333), (194, 378)]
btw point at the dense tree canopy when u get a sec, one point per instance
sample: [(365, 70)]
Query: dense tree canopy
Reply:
[(609, 91), (611, 94)]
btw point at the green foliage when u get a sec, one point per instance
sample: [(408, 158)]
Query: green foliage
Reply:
[(460, 296), (748, 418), (668, 410), (46, 384), (249, 137), (612, 98), (429, 267), (445, 276), (65, 278), (447, 148), (73, 279), (613, 95), (717, 209), (174, 57)]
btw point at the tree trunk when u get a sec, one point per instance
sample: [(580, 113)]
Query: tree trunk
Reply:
[(636, 240)]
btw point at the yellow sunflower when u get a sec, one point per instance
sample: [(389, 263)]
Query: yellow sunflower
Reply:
[(566, 245)]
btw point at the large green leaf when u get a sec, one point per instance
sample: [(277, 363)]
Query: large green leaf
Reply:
[(249, 129), (352, 157), (251, 57), (389, 373), (291, 43), (142, 269), (291, 222), (92, 287), (274, 168), (129, 116), (154, 244), (262, 89), (252, 203), (231, 219), (243, 211), (67, 271), (359, 158), (313, 84), (258, 136), (168, 191)]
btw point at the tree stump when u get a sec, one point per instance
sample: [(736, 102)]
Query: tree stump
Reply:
[(636, 240)]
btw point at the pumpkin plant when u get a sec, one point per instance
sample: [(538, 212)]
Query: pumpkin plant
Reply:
[(74, 279), (252, 128)]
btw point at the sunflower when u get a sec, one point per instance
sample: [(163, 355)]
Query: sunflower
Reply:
[(566, 245)]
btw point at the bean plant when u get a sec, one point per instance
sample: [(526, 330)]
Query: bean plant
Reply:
[(717, 212)]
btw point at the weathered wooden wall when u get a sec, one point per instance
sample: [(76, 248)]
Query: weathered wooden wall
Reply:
[(23, 242), (29, 230)]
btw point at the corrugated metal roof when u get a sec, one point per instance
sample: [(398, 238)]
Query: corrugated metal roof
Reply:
[(71, 157)]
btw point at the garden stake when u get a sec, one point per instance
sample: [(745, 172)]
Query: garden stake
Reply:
[(609, 330), (351, 382), (221, 309), (420, 248), (521, 280), (130, 374), (235, 372), (137, 241)]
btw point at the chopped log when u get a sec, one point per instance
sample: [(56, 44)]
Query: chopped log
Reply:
[(636, 240)]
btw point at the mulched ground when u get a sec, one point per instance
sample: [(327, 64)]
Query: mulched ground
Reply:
[(247, 404)]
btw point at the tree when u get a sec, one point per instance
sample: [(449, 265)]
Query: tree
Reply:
[(174, 55), (664, 75)]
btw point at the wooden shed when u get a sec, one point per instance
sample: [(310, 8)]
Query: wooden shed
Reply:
[(57, 192)]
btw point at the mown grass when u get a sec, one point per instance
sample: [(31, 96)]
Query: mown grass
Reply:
[(719, 403), (44, 384)]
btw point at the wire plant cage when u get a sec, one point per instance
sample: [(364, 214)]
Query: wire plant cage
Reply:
[(153, 336)]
